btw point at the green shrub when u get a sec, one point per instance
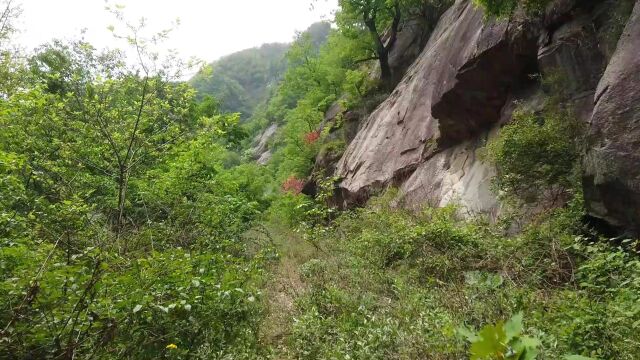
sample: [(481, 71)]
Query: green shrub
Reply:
[(288, 209), (536, 156), (111, 306), (503, 340)]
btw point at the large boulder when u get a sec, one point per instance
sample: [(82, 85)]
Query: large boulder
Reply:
[(573, 51), (264, 157), (612, 164), (456, 89)]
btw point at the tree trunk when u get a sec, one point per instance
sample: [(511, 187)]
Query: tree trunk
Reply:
[(122, 196), (385, 70), (381, 51)]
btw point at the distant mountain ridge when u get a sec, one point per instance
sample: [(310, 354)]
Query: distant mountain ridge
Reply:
[(242, 80)]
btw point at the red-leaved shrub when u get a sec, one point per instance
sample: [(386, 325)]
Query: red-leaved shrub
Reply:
[(293, 185), (312, 137)]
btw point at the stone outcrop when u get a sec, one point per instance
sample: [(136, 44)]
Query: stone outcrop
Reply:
[(612, 163), (571, 51), (455, 175), (260, 151), (456, 88), (425, 138), (409, 44), (264, 157)]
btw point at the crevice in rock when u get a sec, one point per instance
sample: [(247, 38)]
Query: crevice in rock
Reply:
[(482, 88)]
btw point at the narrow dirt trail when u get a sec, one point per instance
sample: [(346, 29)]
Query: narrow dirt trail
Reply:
[(283, 287)]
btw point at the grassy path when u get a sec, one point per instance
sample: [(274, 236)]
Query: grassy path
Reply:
[(283, 286)]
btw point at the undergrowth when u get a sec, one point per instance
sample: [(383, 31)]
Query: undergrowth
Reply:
[(386, 283)]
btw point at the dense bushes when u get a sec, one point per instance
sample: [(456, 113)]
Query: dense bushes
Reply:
[(390, 284), (122, 210), (112, 306)]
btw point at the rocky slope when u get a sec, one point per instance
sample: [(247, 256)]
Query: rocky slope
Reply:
[(612, 164), (425, 137), (261, 151)]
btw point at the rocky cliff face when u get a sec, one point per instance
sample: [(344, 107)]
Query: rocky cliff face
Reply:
[(612, 163), (425, 137), (261, 151)]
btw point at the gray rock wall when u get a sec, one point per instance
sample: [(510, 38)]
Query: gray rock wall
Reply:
[(402, 132), (425, 138), (612, 163), (261, 151)]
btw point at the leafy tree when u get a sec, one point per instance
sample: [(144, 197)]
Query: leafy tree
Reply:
[(375, 16), (11, 67), (10, 11), (97, 100)]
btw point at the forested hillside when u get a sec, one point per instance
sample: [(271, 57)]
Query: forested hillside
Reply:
[(241, 81), (423, 179)]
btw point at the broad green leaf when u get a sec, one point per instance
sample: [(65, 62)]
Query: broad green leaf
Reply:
[(513, 327), (467, 333), (491, 342)]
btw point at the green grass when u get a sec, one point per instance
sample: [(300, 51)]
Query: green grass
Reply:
[(382, 283)]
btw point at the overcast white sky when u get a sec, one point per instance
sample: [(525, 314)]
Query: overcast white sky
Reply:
[(208, 29)]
